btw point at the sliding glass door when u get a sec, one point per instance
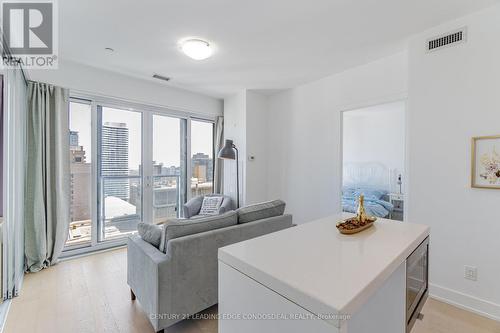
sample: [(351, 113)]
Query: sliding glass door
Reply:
[(167, 177), (129, 164), (120, 172), (80, 152), (202, 161)]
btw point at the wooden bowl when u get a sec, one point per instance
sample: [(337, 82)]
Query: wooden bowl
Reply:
[(346, 227)]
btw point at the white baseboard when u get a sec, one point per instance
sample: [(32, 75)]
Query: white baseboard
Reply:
[(466, 302)]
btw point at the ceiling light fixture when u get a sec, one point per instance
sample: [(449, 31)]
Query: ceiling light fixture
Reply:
[(196, 49), (109, 49)]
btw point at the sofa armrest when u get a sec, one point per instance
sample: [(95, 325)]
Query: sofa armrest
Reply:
[(192, 207), (148, 271)]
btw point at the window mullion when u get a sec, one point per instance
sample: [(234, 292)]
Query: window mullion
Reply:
[(147, 169), (96, 184)]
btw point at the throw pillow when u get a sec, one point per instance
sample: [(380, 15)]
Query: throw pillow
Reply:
[(150, 233), (211, 205)]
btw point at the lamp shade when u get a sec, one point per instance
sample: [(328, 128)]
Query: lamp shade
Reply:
[(227, 152)]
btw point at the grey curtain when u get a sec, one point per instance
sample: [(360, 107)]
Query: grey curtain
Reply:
[(14, 141), (218, 163), (47, 200)]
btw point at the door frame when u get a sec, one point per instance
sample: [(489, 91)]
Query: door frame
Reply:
[(403, 97)]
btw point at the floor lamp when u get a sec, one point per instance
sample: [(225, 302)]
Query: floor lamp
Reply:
[(228, 153)]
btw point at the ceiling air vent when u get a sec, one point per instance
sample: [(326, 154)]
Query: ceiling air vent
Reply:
[(161, 77), (450, 39)]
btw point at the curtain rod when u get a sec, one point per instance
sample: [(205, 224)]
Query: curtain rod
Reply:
[(25, 76)]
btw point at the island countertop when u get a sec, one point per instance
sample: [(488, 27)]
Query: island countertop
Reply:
[(323, 271)]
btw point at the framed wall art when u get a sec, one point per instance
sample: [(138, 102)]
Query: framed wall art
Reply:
[(486, 162)]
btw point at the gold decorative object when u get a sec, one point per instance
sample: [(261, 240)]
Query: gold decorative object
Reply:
[(358, 223)]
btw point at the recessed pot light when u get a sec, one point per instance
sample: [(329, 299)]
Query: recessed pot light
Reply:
[(109, 50), (196, 49)]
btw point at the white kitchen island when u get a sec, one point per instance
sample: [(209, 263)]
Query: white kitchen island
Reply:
[(310, 278)]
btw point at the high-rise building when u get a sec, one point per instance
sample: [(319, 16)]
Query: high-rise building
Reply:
[(77, 154), (203, 168), (80, 179), (73, 139), (114, 159)]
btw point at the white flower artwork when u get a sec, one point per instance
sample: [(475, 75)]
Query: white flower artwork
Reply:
[(486, 162)]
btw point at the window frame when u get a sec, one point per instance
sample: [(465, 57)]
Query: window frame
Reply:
[(213, 150), (100, 236), (76, 247), (147, 111)]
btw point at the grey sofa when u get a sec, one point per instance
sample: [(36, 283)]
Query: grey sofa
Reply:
[(182, 279), (193, 206)]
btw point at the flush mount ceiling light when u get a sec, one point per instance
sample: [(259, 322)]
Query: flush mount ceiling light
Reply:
[(196, 49)]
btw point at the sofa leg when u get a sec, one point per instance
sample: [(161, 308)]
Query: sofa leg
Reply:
[(132, 295)]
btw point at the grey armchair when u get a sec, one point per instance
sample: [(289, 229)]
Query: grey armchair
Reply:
[(193, 206)]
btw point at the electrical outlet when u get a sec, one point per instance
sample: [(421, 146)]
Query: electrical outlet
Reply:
[(470, 273)]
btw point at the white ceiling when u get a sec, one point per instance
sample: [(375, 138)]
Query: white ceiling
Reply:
[(260, 44)]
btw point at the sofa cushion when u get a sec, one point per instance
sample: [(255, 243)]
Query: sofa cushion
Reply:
[(260, 211), (193, 206), (176, 228), (150, 233), (211, 205)]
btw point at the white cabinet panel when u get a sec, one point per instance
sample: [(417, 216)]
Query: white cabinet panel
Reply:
[(242, 301)]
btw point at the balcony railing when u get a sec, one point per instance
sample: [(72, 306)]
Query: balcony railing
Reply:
[(166, 197), (121, 205)]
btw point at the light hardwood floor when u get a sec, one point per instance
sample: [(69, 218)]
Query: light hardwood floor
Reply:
[(90, 294)]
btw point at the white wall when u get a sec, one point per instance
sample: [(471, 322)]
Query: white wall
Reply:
[(245, 122), (376, 134), (235, 129), (110, 84), (257, 147), (454, 94), (304, 167)]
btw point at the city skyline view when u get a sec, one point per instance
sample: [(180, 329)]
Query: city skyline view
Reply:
[(120, 156), (165, 130)]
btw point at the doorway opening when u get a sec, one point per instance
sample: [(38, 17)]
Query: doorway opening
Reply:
[(374, 159)]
